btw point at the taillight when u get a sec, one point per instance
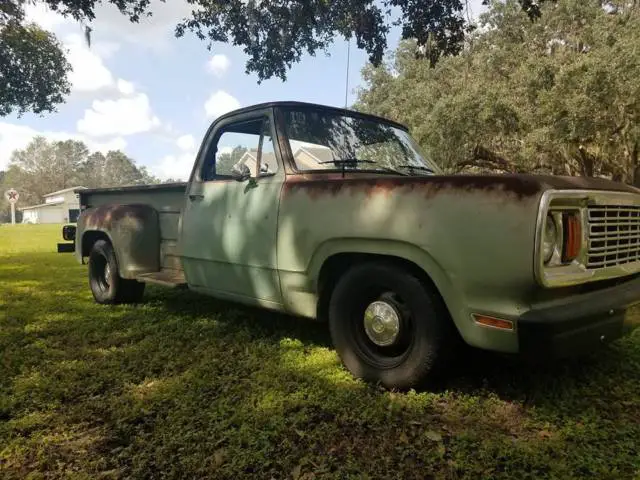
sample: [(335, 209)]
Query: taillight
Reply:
[(572, 229)]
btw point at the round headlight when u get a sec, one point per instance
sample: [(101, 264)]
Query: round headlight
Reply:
[(550, 239)]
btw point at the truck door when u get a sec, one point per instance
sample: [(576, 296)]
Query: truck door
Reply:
[(229, 224)]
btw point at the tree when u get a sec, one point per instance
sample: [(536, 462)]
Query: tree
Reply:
[(33, 67), (558, 95), (438, 26), (43, 167), (273, 33), (112, 170)]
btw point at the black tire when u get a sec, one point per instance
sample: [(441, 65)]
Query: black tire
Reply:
[(424, 339), (106, 284)]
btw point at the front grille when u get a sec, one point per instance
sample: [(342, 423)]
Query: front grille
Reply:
[(614, 235)]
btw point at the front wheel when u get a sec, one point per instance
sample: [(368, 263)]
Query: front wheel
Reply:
[(106, 284), (388, 327)]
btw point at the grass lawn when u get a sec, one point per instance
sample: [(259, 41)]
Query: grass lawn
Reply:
[(183, 386)]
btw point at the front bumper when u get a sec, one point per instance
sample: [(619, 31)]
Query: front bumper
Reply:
[(580, 324)]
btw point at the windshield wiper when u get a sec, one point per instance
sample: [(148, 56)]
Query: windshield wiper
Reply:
[(417, 167), (346, 161)]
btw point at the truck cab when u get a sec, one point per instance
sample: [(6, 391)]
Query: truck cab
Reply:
[(339, 216)]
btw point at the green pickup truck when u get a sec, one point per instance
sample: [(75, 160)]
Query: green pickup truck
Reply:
[(335, 215)]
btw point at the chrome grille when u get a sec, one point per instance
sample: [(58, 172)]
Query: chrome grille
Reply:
[(614, 235)]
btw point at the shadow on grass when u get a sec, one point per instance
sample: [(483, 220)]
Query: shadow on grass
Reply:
[(184, 386)]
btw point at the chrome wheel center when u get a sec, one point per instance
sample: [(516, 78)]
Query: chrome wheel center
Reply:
[(381, 323)]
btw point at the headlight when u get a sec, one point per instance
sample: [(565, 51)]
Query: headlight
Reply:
[(549, 239)]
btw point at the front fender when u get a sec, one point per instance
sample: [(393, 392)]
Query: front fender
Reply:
[(302, 289), (389, 248), (133, 230)]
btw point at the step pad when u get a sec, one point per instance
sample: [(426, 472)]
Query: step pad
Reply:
[(166, 278)]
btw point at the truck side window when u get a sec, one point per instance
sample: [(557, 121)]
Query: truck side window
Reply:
[(240, 143)]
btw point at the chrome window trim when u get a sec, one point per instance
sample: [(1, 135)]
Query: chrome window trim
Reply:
[(576, 272)]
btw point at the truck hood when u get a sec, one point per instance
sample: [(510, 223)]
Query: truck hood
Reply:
[(518, 185)]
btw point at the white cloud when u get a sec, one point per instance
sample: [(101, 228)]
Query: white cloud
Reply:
[(16, 137), (41, 14), (177, 167), (186, 142), (125, 88), (105, 49), (220, 103), (219, 64), (125, 116), (89, 73)]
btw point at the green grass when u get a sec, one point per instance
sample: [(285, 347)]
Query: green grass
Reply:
[(184, 386)]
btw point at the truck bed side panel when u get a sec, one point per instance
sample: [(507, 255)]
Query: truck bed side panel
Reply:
[(166, 200)]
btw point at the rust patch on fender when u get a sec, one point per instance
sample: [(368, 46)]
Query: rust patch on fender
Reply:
[(105, 215), (322, 184)]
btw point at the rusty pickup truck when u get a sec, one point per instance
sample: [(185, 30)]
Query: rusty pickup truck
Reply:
[(336, 215)]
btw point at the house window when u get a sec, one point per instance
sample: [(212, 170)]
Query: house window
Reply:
[(247, 143)]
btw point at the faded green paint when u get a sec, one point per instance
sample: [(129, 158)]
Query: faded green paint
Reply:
[(455, 236), (265, 241), (229, 231)]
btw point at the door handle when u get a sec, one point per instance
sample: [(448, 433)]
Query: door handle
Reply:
[(195, 196)]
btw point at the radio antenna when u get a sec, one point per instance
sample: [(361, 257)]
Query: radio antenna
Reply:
[(346, 86)]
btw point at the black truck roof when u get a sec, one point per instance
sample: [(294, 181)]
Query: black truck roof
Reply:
[(314, 106)]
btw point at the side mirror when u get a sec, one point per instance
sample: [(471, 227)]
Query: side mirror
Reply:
[(240, 172)]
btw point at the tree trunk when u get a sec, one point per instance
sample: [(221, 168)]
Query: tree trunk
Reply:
[(586, 162), (635, 164)]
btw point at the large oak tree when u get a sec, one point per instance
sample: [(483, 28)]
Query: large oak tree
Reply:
[(275, 34), (560, 95)]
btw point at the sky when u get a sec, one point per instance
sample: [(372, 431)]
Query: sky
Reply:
[(143, 91)]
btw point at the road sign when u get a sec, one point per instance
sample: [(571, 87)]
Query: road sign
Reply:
[(11, 195)]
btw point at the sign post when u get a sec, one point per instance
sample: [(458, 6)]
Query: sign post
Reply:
[(12, 197)]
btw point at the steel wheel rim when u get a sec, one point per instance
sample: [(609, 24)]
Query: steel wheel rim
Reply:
[(396, 345), (382, 323)]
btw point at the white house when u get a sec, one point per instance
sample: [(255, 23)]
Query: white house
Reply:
[(307, 157), (62, 206)]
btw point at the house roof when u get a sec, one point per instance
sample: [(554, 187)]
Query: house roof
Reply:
[(253, 154), (320, 154), (42, 205), (64, 191)]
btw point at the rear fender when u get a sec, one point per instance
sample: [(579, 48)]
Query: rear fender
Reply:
[(133, 230)]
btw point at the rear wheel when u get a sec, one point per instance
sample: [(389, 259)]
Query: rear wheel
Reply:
[(106, 284), (388, 327)]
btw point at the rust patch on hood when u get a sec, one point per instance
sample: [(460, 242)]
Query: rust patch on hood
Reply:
[(318, 185), (518, 186)]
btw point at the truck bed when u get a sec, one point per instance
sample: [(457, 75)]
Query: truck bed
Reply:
[(166, 198)]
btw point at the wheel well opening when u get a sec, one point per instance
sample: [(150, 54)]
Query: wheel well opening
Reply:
[(89, 239), (336, 265)]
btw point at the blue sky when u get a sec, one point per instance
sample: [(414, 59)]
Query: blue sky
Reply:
[(140, 89)]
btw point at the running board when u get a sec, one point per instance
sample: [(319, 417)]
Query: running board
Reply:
[(166, 278)]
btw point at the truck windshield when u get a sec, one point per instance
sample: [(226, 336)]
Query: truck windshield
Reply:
[(329, 140)]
